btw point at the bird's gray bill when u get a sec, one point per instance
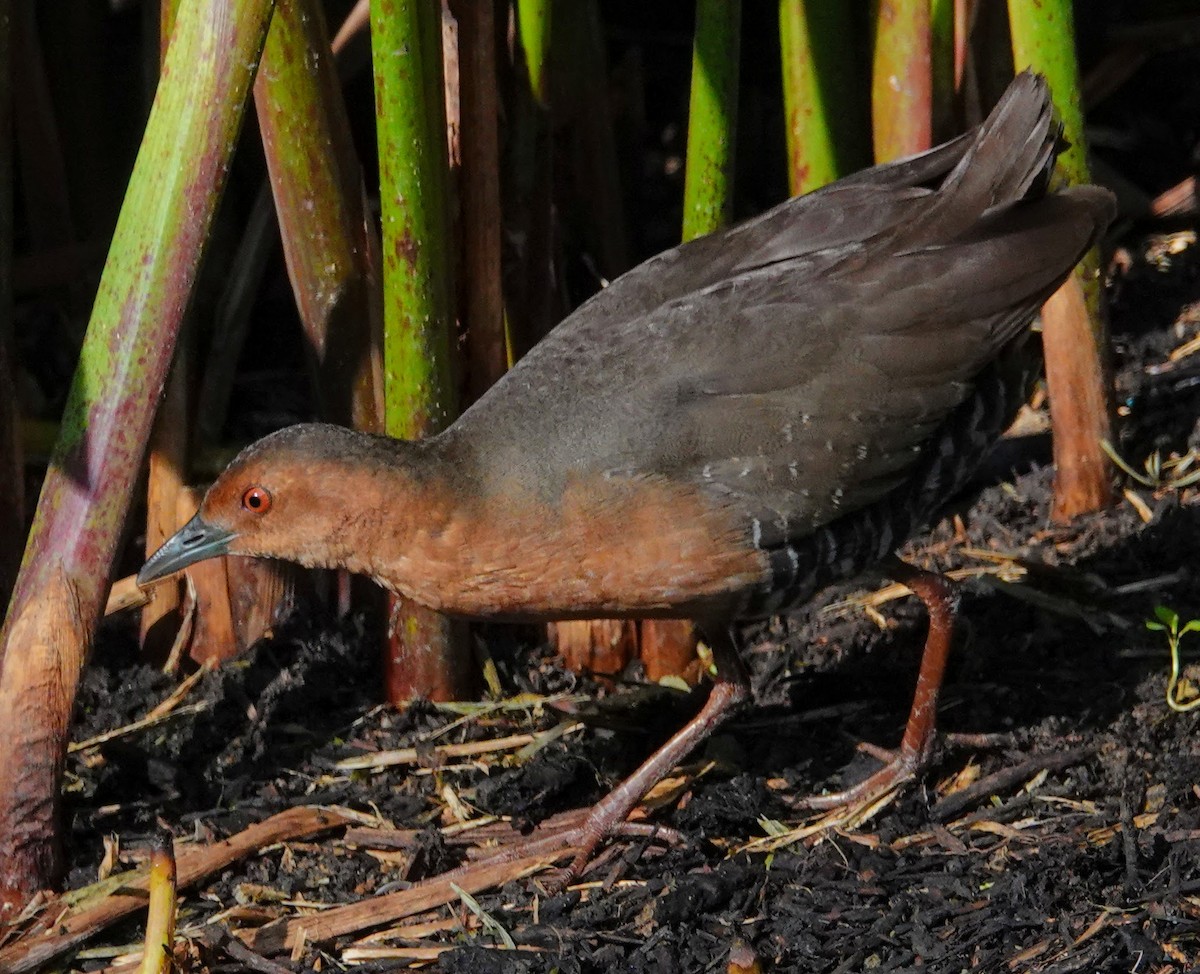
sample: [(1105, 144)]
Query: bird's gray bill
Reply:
[(193, 542)]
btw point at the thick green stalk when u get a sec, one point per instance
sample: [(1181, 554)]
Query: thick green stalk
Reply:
[(318, 186), (901, 85), (427, 656), (712, 117), (411, 126), (1043, 38), (1075, 335), (824, 119), (147, 280), (534, 28), (167, 454)]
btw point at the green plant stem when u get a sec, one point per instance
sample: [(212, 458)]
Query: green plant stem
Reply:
[(1043, 38), (428, 656), (319, 199), (712, 117), (825, 119), (1166, 621), (411, 127), (167, 453), (534, 28), (1078, 370), (155, 251), (901, 86)]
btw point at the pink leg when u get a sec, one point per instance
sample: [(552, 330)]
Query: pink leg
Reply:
[(730, 688), (941, 599)]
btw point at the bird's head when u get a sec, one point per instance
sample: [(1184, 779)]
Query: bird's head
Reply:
[(293, 495)]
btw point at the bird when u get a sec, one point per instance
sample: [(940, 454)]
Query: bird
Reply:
[(720, 433)]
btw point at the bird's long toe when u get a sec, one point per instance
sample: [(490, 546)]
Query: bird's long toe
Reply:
[(901, 767)]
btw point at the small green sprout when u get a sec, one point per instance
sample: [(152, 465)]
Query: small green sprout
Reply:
[(1173, 473), (1167, 621)]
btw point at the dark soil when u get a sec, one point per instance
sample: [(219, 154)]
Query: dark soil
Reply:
[(1088, 865)]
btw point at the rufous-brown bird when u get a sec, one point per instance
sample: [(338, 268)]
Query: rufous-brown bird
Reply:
[(719, 433)]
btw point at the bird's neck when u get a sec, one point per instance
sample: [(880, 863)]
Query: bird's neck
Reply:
[(409, 500)]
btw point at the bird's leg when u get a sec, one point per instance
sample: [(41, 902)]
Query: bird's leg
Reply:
[(941, 599), (731, 687)]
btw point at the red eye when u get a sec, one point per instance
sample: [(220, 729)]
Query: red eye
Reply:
[(257, 500)]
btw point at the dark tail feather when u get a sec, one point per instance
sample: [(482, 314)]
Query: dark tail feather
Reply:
[(1013, 148)]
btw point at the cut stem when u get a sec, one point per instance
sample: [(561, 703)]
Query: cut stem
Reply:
[(1075, 335), (157, 950), (428, 655)]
